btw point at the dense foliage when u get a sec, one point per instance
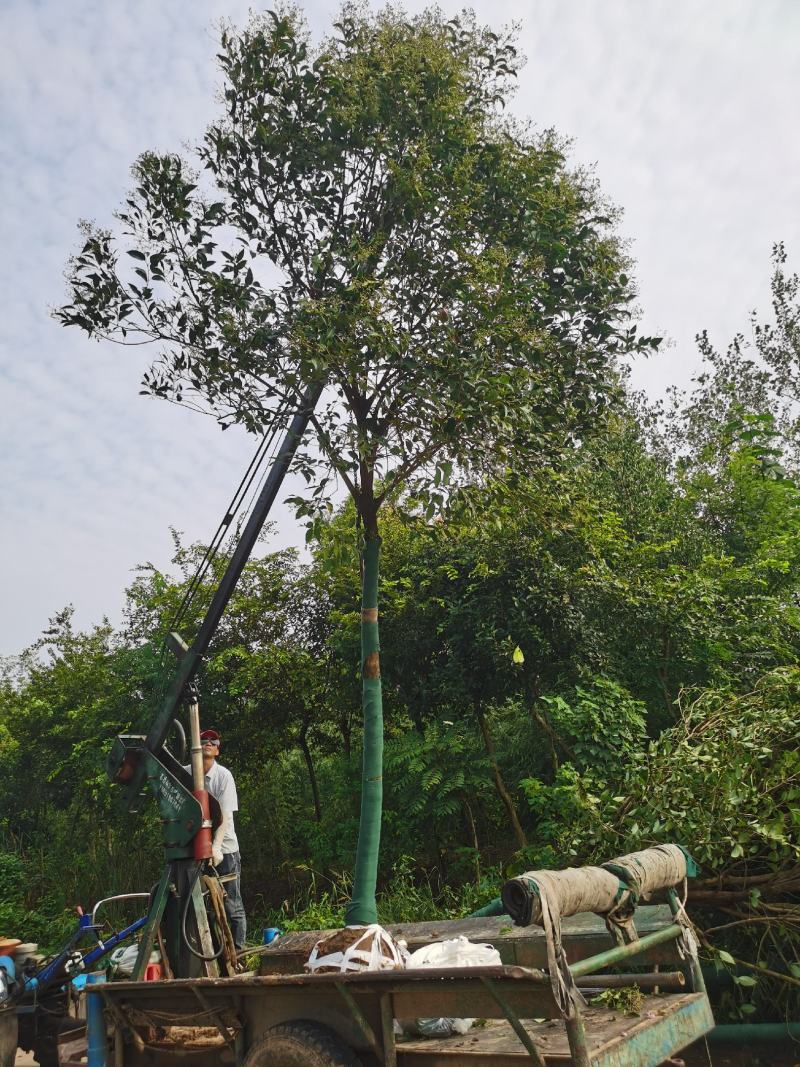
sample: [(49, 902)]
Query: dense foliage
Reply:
[(597, 650), (595, 657), (370, 235)]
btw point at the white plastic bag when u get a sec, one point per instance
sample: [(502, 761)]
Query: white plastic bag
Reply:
[(356, 948), (123, 960), (455, 952)]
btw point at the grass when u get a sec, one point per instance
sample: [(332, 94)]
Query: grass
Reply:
[(408, 896)]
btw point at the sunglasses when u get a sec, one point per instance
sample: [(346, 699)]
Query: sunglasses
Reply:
[(209, 744)]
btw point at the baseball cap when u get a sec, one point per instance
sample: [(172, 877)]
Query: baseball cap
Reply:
[(209, 735)]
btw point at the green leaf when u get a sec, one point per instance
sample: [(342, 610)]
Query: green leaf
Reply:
[(726, 957)]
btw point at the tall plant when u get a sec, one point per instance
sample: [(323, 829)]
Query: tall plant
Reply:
[(370, 221)]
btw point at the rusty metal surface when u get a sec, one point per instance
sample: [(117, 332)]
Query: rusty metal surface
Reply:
[(657, 980), (357, 1006), (649, 1045), (270, 999), (244, 984)]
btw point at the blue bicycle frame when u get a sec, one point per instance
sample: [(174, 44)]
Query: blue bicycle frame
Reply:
[(58, 970)]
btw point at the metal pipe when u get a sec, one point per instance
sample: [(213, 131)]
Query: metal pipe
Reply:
[(95, 1023), (494, 907), (750, 1033), (111, 900), (662, 980), (514, 1021), (191, 661), (203, 841), (576, 1036), (623, 952), (198, 777)]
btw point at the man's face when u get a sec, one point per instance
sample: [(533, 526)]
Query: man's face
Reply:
[(210, 752)]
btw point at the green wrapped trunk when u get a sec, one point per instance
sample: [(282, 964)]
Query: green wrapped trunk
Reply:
[(362, 908)]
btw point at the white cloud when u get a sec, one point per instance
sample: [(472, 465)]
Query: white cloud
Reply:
[(687, 110)]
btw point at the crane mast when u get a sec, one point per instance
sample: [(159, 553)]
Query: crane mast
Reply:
[(178, 919)]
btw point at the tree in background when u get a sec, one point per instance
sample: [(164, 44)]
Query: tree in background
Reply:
[(374, 224), (757, 377)]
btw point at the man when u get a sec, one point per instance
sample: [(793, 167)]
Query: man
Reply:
[(225, 846)]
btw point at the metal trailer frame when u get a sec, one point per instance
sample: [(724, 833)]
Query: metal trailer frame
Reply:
[(360, 1008)]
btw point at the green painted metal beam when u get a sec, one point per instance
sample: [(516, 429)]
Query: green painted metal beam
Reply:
[(625, 952)]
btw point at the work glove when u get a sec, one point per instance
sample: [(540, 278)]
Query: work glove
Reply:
[(216, 855)]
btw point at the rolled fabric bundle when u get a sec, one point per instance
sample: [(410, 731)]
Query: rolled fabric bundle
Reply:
[(659, 867), (544, 897), (569, 892)]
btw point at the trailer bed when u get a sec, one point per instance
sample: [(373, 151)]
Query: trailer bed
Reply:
[(663, 1026), (357, 1010), (160, 1013), (583, 936)]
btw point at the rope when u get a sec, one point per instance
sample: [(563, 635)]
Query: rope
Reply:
[(266, 450), (545, 897), (217, 896), (241, 492)]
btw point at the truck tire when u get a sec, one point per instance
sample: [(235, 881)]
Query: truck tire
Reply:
[(301, 1044)]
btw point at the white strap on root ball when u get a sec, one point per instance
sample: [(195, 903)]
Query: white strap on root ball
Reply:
[(355, 948)]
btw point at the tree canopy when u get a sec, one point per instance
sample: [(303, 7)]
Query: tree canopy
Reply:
[(365, 214), (364, 220), (654, 610)]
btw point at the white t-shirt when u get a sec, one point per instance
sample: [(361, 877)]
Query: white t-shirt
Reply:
[(220, 784)]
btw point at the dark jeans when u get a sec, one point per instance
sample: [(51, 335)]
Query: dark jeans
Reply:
[(234, 907)]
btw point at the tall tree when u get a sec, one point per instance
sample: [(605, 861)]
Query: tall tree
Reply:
[(374, 225)]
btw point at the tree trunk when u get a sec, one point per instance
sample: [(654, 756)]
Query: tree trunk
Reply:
[(362, 908), (663, 672), (312, 774), (500, 785), (554, 738), (344, 729), (473, 833)]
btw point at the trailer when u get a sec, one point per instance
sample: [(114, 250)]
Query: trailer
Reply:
[(281, 1017)]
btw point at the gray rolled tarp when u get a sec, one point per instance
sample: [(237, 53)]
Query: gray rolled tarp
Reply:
[(659, 867), (568, 892), (543, 897), (611, 890), (608, 889)]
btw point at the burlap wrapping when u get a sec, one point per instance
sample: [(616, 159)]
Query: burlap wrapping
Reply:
[(611, 890), (659, 867), (545, 897)]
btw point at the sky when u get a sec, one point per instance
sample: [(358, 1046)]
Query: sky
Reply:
[(687, 110)]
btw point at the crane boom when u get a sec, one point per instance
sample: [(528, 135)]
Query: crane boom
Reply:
[(191, 657)]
